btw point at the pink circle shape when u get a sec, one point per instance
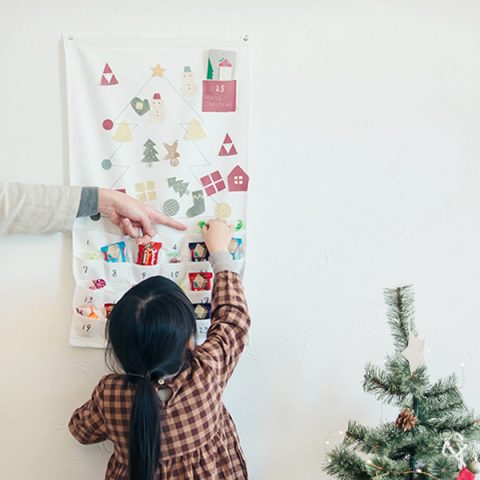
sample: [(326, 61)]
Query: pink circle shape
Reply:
[(107, 124)]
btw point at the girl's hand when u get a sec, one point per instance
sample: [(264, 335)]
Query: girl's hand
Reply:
[(217, 235)]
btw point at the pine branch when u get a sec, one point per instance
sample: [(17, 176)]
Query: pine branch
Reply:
[(464, 424), (400, 314), (442, 397), (345, 464), (378, 440)]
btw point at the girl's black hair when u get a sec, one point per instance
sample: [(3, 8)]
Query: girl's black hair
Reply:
[(148, 331)]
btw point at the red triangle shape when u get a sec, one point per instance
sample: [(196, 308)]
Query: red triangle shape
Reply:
[(104, 81), (223, 151), (233, 150), (227, 139), (114, 80), (107, 69)]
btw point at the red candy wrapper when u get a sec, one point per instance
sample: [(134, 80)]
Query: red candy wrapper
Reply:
[(148, 254), (108, 309), (200, 281)]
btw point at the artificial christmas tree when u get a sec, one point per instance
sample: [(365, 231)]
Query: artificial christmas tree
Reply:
[(434, 434)]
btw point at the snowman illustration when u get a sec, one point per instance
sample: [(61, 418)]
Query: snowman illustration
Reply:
[(157, 109), (189, 86)]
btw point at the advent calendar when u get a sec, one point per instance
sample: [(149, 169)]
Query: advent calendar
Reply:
[(165, 121)]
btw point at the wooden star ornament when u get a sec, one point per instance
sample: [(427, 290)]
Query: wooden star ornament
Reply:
[(414, 352)]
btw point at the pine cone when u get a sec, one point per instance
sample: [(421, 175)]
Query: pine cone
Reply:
[(406, 420)]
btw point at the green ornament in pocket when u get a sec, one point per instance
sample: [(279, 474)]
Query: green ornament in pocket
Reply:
[(140, 106)]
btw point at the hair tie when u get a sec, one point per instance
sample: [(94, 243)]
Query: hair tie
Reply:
[(146, 375)]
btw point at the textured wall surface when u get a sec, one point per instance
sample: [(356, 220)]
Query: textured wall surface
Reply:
[(365, 174)]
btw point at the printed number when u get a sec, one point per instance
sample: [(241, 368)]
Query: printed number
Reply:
[(220, 88), (144, 274), (175, 247), (205, 300), (202, 329), (85, 269), (88, 242), (114, 273), (88, 300), (174, 274), (86, 327)]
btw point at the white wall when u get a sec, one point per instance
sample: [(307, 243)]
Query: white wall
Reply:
[(365, 173)]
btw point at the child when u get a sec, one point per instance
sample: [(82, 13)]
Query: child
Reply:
[(164, 414)]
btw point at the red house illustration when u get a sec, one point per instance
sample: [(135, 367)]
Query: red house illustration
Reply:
[(238, 180)]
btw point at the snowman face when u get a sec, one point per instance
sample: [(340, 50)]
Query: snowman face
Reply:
[(157, 103), (188, 76)]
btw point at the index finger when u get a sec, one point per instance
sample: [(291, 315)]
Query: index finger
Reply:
[(158, 217)]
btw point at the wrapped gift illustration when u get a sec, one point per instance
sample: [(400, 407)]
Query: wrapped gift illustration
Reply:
[(202, 311), (198, 251), (200, 281)]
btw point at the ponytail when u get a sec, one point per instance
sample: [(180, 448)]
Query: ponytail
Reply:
[(144, 439), (148, 331)]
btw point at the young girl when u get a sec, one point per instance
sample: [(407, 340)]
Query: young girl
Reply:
[(164, 413)]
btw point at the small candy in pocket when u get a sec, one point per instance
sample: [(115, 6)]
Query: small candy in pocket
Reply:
[(198, 251), (148, 254), (108, 309), (234, 248), (202, 310), (200, 281), (97, 284), (114, 252), (88, 311)]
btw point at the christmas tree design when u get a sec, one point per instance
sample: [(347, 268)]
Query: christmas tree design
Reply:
[(209, 70), (150, 154), (179, 186), (434, 435)]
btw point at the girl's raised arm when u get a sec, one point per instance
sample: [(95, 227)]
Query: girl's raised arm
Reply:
[(230, 321)]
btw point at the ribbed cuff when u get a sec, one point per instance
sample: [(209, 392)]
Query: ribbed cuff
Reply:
[(88, 202), (221, 261)]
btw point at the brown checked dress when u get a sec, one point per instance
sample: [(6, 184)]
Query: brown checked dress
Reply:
[(199, 439)]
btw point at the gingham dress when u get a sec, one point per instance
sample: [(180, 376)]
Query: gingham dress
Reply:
[(198, 436)]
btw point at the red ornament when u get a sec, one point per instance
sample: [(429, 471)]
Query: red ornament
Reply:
[(107, 124), (465, 474)]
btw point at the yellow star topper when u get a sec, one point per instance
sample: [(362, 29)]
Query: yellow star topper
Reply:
[(158, 71)]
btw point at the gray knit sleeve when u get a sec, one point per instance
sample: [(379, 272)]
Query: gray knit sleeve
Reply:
[(88, 202), (221, 261)]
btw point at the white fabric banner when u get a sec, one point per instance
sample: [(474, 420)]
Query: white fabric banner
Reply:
[(165, 121)]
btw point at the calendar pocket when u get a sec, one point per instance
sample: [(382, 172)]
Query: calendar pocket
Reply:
[(86, 271), (87, 332), (174, 271), (202, 328), (219, 96), (142, 272)]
